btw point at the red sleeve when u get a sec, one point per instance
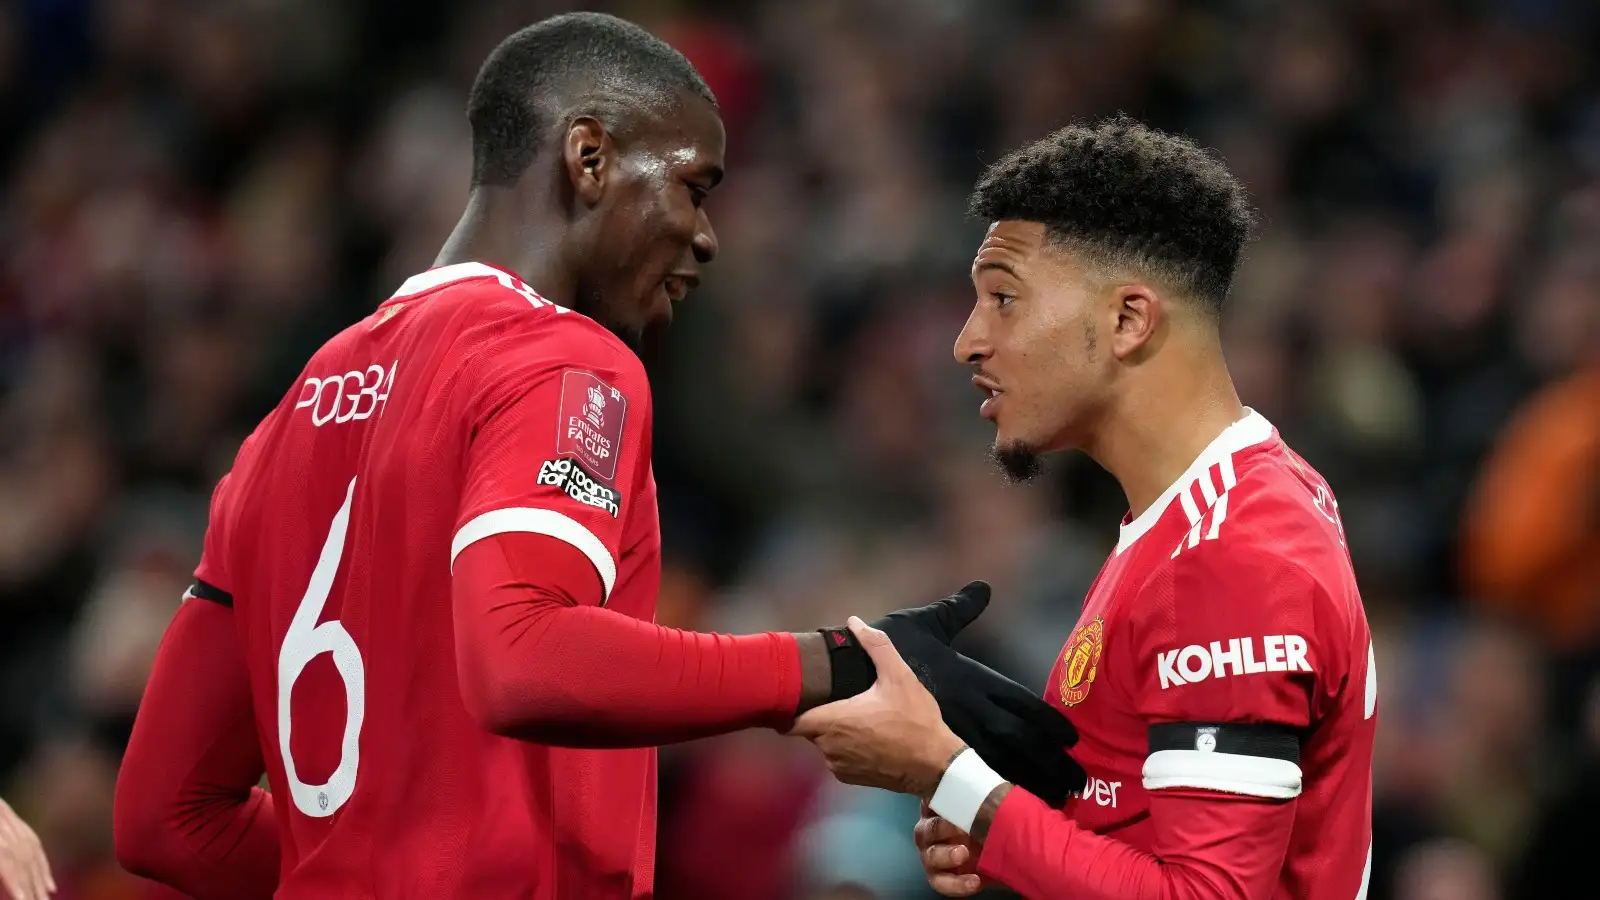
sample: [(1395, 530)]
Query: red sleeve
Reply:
[(211, 570), (1231, 672), (187, 811), (1206, 846), (559, 442), (537, 662)]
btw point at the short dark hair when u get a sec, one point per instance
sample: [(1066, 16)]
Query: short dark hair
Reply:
[(1127, 196), (587, 63)]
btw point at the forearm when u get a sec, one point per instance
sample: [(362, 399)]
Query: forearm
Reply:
[(588, 677), (539, 663), (187, 812), (1209, 847)]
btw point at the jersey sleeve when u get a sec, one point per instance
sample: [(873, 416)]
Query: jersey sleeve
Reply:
[(188, 811), (559, 437), (211, 581), (1206, 847), (1231, 672)]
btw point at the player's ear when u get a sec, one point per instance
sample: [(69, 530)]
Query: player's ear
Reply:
[(588, 156), (1139, 311)]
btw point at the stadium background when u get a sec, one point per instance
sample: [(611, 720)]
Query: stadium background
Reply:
[(198, 192)]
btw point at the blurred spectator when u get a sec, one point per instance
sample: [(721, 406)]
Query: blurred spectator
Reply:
[(1532, 545), (1557, 864), (1447, 870)]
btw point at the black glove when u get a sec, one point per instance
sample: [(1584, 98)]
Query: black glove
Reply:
[(1023, 738)]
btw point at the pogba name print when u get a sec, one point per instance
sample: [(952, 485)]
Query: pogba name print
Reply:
[(1238, 656), (348, 396)]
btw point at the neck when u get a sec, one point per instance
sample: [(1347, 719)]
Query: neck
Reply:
[(506, 227), (1161, 426)]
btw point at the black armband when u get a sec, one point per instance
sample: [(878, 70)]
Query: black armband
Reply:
[(1257, 760), (202, 591)]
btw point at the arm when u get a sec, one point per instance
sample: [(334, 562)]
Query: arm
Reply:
[(557, 480), (1222, 771), (187, 811), (1207, 845), (540, 660)]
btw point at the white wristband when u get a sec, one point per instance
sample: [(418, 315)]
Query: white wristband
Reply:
[(966, 784)]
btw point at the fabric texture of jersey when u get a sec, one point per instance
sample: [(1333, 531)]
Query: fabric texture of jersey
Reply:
[(1223, 651), (464, 407)]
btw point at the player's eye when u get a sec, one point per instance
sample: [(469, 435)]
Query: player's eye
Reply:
[(1002, 299), (698, 194)]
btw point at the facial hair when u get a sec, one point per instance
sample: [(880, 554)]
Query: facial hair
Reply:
[(1016, 461)]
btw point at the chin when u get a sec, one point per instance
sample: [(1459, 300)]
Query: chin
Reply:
[(1017, 461)]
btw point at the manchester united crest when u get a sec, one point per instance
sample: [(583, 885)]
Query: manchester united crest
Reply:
[(1080, 659)]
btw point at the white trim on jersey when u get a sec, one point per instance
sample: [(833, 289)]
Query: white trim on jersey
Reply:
[(1372, 680), (1219, 510), (526, 520), (1190, 508), (1366, 874), (1247, 432), (427, 281), (1233, 773)]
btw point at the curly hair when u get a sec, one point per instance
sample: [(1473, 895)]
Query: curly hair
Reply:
[(1127, 197), (578, 63)]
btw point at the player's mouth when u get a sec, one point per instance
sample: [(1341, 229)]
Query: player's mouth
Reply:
[(991, 393), (679, 284)]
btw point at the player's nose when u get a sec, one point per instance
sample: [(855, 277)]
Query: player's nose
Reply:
[(973, 344), (705, 239)]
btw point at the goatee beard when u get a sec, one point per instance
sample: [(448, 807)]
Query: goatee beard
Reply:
[(1016, 462)]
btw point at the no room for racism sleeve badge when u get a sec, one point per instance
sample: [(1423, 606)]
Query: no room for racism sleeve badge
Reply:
[(1080, 660)]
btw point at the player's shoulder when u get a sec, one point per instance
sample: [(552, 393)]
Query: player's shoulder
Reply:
[(1244, 579), (502, 318), (1264, 536), (1280, 513)]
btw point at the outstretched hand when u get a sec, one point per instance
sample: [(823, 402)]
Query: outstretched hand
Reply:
[(24, 871), (892, 735)]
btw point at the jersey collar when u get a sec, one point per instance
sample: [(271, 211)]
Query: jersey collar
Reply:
[(433, 278), (1247, 432)]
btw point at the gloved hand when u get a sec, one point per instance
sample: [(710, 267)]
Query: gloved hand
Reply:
[(1022, 737)]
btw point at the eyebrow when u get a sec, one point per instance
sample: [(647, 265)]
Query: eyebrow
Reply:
[(715, 174)]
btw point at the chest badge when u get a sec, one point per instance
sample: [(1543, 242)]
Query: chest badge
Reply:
[(1080, 660)]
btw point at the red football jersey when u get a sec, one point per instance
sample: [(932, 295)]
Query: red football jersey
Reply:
[(1223, 650), (464, 407)]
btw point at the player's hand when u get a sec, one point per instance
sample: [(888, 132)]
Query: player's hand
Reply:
[(24, 871), (949, 858), (1021, 736), (925, 631), (890, 737)]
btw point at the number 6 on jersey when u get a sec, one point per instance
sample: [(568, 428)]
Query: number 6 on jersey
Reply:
[(304, 641)]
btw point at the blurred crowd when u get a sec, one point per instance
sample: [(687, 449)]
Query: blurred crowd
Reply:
[(197, 193)]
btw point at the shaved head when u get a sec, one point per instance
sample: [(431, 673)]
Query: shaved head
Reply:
[(580, 64)]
